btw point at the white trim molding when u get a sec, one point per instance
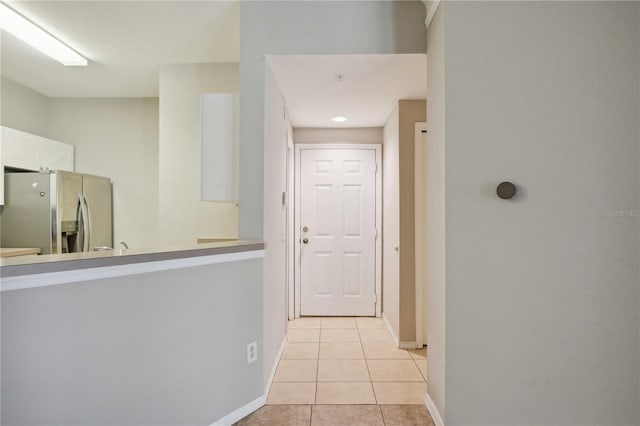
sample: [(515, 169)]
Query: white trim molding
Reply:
[(89, 274), (433, 410), (420, 233), (431, 7), (390, 329), (274, 367), (377, 147), (241, 412), (257, 403), (408, 345)]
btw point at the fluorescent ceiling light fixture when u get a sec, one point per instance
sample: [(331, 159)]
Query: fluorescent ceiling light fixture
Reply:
[(30, 33), (339, 119)]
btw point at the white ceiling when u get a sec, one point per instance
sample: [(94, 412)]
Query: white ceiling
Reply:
[(371, 86), (124, 41)]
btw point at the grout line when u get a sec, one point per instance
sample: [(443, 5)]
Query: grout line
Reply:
[(381, 414), (366, 363)]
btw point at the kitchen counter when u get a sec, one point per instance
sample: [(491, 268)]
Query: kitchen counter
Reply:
[(12, 252), (73, 267)]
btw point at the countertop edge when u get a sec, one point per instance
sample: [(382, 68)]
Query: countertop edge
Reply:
[(27, 269)]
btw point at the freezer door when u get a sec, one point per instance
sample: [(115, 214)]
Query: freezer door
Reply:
[(26, 214), (67, 217), (98, 204)]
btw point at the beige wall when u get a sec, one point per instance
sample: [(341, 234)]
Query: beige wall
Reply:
[(337, 135), (116, 138), (398, 218), (183, 217), (411, 111)]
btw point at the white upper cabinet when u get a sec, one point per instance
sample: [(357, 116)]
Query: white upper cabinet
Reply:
[(58, 156), (25, 151), (21, 150)]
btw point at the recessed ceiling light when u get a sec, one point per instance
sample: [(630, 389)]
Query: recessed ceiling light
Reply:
[(38, 38), (339, 119)]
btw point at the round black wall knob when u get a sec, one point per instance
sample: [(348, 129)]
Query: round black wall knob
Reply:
[(506, 190)]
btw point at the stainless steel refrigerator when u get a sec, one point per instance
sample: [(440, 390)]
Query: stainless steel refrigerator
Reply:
[(59, 212)]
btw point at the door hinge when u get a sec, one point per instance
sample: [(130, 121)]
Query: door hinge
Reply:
[(375, 234), (376, 170)]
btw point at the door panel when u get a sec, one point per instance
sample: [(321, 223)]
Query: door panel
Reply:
[(97, 191), (26, 218), (337, 205)]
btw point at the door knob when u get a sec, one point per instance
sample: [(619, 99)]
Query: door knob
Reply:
[(305, 241)]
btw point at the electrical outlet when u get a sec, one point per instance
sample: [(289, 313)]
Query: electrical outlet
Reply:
[(252, 352)]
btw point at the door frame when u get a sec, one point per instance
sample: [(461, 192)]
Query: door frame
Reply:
[(290, 223), (378, 221), (420, 233)]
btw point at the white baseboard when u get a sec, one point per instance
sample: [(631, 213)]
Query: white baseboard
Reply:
[(257, 403), (274, 367), (241, 412), (390, 329), (408, 345), (433, 410)]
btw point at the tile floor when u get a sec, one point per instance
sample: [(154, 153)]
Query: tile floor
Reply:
[(345, 371)]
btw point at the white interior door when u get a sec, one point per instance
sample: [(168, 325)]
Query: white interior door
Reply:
[(338, 232)]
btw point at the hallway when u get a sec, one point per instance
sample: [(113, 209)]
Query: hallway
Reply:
[(345, 371)]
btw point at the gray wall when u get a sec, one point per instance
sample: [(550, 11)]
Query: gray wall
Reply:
[(24, 109), (276, 127), (163, 348), (541, 291), (436, 223), (117, 138)]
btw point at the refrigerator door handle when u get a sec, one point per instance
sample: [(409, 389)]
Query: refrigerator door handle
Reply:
[(87, 222), (80, 219), (84, 218)]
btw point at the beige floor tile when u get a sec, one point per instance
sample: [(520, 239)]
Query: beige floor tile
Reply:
[(400, 392), (338, 322), (295, 350), (346, 415), (292, 393), (394, 371), (384, 350), (422, 366), (308, 322), (345, 393), (289, 415), (340, 370), (366, 322), (375, 335), (401, 415), (341, 350), (303, 335), (296, 370), (418, 353), (339, 335)]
